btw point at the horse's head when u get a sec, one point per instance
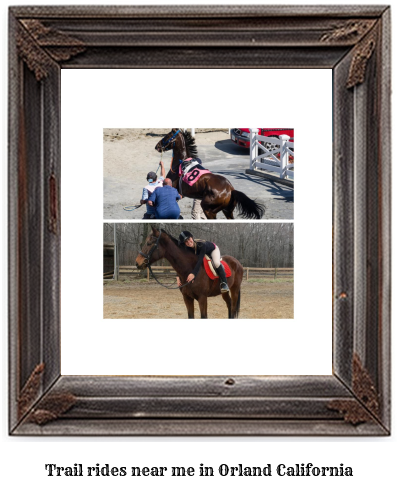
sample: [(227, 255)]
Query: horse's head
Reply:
[(152, 250), (169, 140)]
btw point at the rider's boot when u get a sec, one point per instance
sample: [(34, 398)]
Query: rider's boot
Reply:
[(222, 277)]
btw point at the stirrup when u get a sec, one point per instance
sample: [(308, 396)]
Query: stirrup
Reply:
[(224, 287)]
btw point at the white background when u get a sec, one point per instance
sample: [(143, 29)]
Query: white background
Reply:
[(130, 98), (374, 460)]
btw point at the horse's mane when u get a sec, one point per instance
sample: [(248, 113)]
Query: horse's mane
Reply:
[(176, 241), (191, 147), (182, 247)]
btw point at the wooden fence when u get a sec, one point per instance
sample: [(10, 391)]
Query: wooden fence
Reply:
[(168, 272), (275, 157)]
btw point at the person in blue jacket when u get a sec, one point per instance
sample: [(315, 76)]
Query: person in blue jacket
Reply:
[(164, 200)]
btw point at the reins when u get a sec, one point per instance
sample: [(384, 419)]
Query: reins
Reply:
[(147, 257), (164, 144), (168, 286), (130, 208)]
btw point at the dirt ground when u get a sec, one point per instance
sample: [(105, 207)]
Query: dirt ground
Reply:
[(140, 299)]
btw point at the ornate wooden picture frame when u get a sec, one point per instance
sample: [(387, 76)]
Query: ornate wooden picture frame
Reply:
[(352, 41)]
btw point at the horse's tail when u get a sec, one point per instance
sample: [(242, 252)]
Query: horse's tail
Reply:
[(238, 304), (248, 208)]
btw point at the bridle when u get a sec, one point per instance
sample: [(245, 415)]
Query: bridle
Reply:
[(147, 259), (172, 138), (165, 143)]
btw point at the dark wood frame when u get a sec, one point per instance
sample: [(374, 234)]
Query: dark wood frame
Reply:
[(353, 41)]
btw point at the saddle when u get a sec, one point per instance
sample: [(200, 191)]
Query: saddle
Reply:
[(210, 268), (187, 165), (190, 171)]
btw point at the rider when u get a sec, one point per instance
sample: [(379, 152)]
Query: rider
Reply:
[(202, 248), (153, 183)]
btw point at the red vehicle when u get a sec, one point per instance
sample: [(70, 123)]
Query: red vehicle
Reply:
[(240, 136)]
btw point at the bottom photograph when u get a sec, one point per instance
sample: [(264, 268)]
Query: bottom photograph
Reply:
[(157, 270)]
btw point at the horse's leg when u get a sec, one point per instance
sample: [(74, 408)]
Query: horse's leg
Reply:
[(213, 204), (227, 300), (203, 305), (209, 207), (228, 214), (228, 211), (210, 215), (235, 292), (189, 302)]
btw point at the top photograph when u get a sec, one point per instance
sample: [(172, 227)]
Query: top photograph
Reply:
[(198, 173)]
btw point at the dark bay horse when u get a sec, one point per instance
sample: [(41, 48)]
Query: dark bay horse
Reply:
[(159, 245), (216, 192)]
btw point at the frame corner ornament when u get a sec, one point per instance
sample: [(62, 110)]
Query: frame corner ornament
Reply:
[(351, 410), (362, 54), (363, 386), (51, 407), (30, 391), (38, 46), (367, 404), (351, 31)]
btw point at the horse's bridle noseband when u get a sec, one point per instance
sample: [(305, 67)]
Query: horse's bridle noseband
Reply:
[(147, 257), (173, 137)]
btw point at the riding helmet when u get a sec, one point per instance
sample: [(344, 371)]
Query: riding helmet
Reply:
[(184, 235), (152, 175)]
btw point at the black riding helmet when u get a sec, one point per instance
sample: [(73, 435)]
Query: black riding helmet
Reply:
[(152, 175), (184, 235)]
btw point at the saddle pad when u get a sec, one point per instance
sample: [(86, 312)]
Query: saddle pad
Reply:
[(211, 271), (194, 174)]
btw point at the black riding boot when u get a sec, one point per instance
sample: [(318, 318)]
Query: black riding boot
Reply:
[(222, 277)]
